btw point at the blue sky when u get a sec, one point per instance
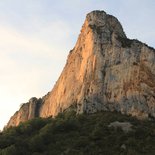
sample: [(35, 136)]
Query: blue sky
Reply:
[(36, 36)]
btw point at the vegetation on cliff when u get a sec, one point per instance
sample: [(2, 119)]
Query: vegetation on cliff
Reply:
[(70, 134)]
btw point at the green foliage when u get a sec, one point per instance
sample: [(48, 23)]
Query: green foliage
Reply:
[(71, 134)]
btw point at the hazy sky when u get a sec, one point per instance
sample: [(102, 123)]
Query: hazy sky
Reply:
[(36, 36)]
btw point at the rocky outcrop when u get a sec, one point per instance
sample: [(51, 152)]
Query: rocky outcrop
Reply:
[(26, 112), (124, 126), (104, 71)]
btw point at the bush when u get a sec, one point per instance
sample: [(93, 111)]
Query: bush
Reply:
[(71, 134)]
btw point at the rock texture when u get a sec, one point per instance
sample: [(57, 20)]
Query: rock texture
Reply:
[(104, 71), (27, 111), (125, 126)]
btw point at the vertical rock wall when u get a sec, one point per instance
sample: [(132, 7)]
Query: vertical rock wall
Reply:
[(104, 71)]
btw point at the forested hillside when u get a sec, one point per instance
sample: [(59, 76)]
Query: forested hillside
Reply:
[(71, 134)]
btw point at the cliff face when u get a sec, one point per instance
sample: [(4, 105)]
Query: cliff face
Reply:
[(27, 111), (104, 71)]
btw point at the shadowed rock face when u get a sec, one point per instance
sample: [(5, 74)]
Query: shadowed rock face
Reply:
[(104, 71)]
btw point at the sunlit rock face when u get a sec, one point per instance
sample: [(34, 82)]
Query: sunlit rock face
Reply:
[(26, 112), (104, 71)]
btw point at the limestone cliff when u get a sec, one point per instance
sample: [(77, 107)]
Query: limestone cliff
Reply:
[(27, 111), (104, 71)]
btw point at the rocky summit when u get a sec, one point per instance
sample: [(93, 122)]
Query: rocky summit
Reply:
[(105, 71)]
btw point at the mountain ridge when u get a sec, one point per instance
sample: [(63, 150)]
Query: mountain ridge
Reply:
[(105, 71)]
